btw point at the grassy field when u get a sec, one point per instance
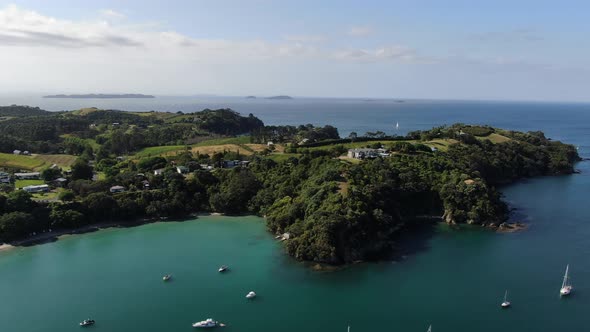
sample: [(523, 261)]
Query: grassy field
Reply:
[(19, 161), (279, 157), (241, 143), (36, 162), (61, 160), (23, 183), (495, 138)]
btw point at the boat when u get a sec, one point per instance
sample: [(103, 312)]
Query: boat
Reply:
[(506, 303), (223, 268), (397, 125), (566, 287), (429, 328), (167, 277), (209, 322), (251, 295), (87, 322)]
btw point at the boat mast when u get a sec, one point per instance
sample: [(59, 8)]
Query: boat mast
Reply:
[(505, 295), (565, 277)]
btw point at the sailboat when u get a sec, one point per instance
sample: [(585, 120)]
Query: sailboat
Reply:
[(566, 287), (397, 125), (506, 303), (429, 328)]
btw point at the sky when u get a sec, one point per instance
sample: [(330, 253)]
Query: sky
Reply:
[(447, 49)]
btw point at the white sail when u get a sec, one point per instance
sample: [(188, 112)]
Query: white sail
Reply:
[(348, 328), (397, 125), (566, 277), (429, 328), (505, 295)]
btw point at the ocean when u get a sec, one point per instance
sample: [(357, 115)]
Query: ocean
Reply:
[(454, 280)]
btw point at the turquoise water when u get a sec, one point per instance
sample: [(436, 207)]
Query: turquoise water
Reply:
[(454, 280)]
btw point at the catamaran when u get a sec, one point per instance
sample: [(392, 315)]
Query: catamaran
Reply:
[(506, 303), (566, 287)]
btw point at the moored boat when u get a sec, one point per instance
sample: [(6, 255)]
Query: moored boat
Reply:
[(223, 268), (506, 303), (208, 323), (566, 286), (251, 295), (167, 277), (87, 322)]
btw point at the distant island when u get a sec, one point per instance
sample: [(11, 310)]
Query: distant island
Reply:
[(280, 97), (250, 97), (101, 96)]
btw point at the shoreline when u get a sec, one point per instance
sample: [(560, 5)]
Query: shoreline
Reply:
[(54, 236)]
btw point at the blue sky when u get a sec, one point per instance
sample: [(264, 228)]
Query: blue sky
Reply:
[(500, 50)]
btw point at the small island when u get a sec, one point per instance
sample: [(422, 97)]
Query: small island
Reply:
[(280, 97), (328, 199), (250, 97), (101, 96)]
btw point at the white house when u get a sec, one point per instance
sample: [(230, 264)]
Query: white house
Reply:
[(42, 188), (16, 152), (362, 153), (27, 176), (117, 189)]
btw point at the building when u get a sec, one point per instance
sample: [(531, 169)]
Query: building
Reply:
[(182, 169), (42, 188), (159, 171), (4, 177), (117, 189), (363, 153), (17, 152), (27, 176), (26, 153)]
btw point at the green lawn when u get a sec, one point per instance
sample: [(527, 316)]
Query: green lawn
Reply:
[(495, 138), (23, 183), (279, 157), (154, 151), (19, 161)]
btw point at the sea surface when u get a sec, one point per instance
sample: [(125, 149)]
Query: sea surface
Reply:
[(452, 279)]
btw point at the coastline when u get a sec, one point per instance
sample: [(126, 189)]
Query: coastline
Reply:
[(53, 236)]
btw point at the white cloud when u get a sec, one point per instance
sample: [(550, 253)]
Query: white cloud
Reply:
[(360, 31), (305, 38), (109, 13)]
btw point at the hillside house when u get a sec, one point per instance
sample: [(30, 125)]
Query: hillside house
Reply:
[(117, 189), (182, 169), (4, 177), (159, 171), (27, 176), (363, 153), (42, 188), (17, 152)]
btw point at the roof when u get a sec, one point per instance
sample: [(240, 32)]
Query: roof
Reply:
[(24, 174), (61, 180), (117, 187), (40, 186)]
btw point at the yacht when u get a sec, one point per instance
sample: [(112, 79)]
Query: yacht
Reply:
[(167, 277), (223, 268), (87, 322), (566, 287), (251, 295), (506, 303), (209, 322)]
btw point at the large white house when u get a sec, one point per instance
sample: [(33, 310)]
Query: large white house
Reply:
[(42, 188)]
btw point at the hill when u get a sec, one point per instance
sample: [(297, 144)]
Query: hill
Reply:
[(101, 96), (22, 111)]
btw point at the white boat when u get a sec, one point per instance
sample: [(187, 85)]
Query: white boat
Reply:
[(566, 287), (87, 322), (429, 328), (506, 303), (223, 268), (167, 277), (209, 322), (251, 295)]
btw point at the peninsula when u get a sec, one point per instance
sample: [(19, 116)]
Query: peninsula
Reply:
[(333, 200), (101, 96)]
